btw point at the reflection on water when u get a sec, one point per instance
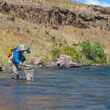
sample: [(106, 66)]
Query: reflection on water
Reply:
[(74, 89)]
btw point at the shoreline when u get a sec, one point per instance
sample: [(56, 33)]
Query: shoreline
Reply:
[(7, 68)]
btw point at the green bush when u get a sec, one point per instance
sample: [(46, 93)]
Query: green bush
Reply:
[(55, 52), (71, 51), (93, 51)]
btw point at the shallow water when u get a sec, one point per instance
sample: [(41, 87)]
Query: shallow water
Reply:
[(74, 89)]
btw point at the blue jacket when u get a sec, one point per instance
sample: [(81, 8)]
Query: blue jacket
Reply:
[(17, 56)]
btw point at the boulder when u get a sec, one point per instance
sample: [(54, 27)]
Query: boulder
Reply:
[(36, 61), (66, 62)]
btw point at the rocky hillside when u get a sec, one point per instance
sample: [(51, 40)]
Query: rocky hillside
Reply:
[(83, 18), (37, 24)]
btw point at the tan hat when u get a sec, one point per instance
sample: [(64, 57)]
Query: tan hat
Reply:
[(21, 47)]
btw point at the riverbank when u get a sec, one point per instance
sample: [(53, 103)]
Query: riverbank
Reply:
[(55, 29), (8, 68)]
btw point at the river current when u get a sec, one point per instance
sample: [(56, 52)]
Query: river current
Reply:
[(86, 88)]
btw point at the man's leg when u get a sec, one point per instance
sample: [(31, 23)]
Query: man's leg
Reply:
[(15, 70)]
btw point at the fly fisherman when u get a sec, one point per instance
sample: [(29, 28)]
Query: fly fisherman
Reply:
[(17, 58)]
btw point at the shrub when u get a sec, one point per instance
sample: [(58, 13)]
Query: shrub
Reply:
[(71, 51), (55, 52), (93, 51)]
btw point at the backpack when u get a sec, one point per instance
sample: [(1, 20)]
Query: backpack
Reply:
[(9, 52)]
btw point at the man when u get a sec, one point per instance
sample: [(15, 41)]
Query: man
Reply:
[(18, 58)]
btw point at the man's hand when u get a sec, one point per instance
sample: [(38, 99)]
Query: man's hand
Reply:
[(20, 63), (28, 50)]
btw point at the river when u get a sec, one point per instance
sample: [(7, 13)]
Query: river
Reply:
[(86, 88)]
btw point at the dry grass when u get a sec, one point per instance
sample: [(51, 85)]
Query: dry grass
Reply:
[(40, 38), (23, 32), (42, 2), (48, 3)]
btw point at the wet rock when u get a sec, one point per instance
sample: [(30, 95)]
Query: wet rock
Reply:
[(52, 64)]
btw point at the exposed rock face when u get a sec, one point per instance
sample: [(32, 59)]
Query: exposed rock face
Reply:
[(102, 10), (58, 16)]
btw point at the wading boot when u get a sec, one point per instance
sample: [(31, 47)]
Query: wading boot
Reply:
[(17, 76)]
